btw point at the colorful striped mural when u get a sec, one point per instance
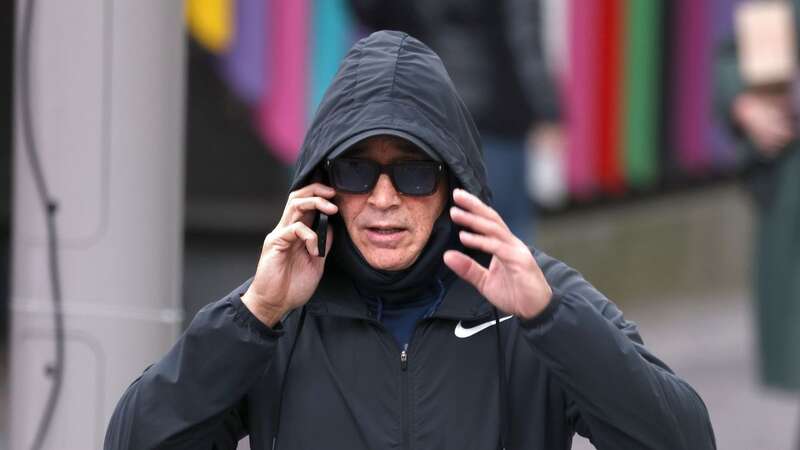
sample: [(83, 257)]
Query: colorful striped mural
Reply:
[(636, 79), (582, 97), (641, 101)]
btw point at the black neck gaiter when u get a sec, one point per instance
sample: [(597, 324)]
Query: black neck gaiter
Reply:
[(401, 285)]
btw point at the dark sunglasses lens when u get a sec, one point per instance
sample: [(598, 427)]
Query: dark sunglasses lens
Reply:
[(354, 175), (415, 178)]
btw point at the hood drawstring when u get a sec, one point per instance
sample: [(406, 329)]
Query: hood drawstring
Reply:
[(503, 384), (286, 376)]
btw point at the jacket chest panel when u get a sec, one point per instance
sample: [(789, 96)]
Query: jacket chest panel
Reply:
[(347, 384)]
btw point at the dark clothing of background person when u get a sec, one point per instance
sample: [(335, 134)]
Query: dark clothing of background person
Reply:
[(774, 181), (493, 52), (330, 375)]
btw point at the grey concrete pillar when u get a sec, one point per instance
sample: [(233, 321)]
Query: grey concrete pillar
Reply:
[(108, 95)]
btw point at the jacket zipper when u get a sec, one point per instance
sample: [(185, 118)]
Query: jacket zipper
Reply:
[(405, 400)]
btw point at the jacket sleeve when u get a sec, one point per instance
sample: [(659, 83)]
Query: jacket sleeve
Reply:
[(191, 398), (621, 395)]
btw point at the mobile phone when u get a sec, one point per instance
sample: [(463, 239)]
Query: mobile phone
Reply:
[(320, 226)]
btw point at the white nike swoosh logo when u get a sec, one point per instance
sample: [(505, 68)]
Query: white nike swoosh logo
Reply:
[(462, 332)]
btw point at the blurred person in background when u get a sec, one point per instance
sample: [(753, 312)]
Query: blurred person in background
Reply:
[(395, 338), (494, 53), (764, 114)]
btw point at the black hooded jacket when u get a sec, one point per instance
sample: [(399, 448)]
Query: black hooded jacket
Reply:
[(331, 376)]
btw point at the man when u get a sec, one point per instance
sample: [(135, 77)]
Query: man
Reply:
[(429, 325), (495, 55)]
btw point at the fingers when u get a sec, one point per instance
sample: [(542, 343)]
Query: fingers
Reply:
[(466, 268), (480, 224), (300, 231), (305, 234), (487, 244), (486, 229), (299, 207), (315, 196), (284, 239), (313, 190), (294, 225), (473, 204)]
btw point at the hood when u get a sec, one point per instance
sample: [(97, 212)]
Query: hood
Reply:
[(392, 81)]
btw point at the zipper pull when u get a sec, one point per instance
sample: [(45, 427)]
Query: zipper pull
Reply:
[(404, 360)]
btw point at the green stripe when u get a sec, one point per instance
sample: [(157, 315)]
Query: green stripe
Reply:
[(641, 90)]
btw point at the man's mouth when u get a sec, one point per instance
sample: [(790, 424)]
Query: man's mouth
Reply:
[(385, 230), (385, 235)]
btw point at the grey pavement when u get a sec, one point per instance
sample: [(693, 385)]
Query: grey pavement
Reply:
[(710, 343), (679, 266)]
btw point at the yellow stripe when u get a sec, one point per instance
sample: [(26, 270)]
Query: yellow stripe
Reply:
[(211, 23)]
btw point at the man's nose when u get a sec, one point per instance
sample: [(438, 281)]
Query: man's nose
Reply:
[(384, 195)]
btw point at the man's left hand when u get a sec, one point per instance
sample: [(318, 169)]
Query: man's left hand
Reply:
[(513, 282)]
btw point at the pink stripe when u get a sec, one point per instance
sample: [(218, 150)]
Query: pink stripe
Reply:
[(581, 97), (282, 114)]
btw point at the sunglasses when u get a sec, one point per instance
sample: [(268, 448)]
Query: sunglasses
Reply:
[(359, 176)]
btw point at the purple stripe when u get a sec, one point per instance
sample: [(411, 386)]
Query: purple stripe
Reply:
[(244, 65), (723, 144), (693, 71)]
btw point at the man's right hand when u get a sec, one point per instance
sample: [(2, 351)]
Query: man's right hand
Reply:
[(289, 269)]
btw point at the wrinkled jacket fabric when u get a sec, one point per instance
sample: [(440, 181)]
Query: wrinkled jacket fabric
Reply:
[(577, 367)]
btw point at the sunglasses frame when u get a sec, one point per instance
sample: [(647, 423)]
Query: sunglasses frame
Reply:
[(388, 169)]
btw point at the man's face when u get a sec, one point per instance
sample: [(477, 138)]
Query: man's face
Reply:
[(390, 229)]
